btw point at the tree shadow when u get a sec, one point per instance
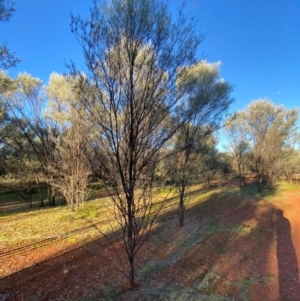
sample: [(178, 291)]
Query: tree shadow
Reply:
[(90, 265), (228, 247), (200, 248), (84, 270)]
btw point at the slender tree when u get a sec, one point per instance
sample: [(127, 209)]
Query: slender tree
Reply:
[(72, 167), (235, 131), (133, 51), (207, 98)]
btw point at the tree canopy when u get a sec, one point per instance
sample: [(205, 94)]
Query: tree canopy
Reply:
[(8, 58)]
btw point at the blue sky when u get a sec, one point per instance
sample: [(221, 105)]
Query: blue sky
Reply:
[(257, 41)]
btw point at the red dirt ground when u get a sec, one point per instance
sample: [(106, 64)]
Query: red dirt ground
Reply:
[(243, 250)]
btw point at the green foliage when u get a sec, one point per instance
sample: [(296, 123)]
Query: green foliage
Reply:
[(265, 135), (133, 51), (7, 8), (7, 57), (73, 240)]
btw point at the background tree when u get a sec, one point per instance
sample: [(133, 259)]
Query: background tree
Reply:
[(72, 167), (210, 161), (271, 130), (235, 131), (24, 128), (225, 159), (8, 58), (133, 52), (291, 166), (207, 98), (17, 133), (180, 164), (22, 176), (48, 148)]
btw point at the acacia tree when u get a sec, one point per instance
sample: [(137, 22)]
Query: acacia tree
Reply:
[(21, 169), (72, 167), (8, 59), (236, 133), (24, 128), (208, 160), (207, 98), (48, 148), (18, 99), (133, 52), (270, 131), (291, 166), (180, 166)]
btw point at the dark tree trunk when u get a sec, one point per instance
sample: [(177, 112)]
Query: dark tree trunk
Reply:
[(30, 199), (42, 201), (131, 272), (29, 193), (41, 196), (181, 207), (51, 195), (242, 178), (259, 183), (130, 239), (40, 190)]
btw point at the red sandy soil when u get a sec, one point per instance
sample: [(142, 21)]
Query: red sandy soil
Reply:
[(242, 249)]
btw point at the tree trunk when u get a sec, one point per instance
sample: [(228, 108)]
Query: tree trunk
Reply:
[(259, 183), (40, 190), (30, 199), (242, 179), (51, 195), (29, 193), (181, 207), (131, 272), (41, 196), (208, 180), (130, 242)]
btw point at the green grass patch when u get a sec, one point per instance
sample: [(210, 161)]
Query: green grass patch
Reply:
[(72, 239), (66, 218), (21, 229), (236, 228), (89, 211)]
